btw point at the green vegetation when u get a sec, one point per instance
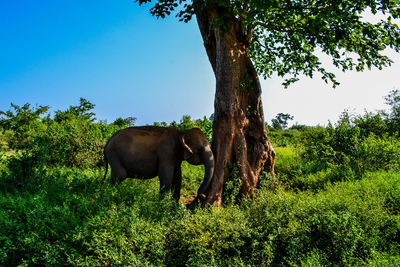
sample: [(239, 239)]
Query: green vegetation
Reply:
[(336, 200)]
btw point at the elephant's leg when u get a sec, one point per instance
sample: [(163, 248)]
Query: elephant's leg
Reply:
[(177, 182), (118, 172), (166, 176)]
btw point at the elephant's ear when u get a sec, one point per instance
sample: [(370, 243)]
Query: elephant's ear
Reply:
[(187, 151)]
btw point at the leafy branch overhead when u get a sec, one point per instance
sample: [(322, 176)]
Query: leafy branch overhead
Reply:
[(283, 37)]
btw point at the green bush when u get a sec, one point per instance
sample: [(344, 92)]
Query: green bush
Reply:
[(283, 138), (22, 122), (120, 236), (343, 225), (70, 139), (375, 153), (214, 238), (287, 165), (67, 218), (371, 123), (73, 143), (317, 149)]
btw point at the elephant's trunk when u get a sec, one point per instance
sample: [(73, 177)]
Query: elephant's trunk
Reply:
[(208, 161)]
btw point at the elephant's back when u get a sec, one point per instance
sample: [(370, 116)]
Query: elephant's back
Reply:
[(134, 139), (135, 149), (134, 132)]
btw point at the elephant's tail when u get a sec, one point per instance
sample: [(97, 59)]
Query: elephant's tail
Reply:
[(105, 160), (105, 174)]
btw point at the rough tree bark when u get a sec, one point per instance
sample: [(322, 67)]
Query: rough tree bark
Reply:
[(239, 134)]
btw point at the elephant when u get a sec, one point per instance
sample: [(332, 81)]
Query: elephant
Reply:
[(144, 152)]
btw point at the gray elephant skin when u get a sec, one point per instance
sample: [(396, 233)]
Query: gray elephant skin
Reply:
[(149, 151)]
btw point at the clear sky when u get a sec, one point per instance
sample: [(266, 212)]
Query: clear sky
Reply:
[(128, 63)]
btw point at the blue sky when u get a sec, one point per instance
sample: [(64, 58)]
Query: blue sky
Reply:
[(128, 63)]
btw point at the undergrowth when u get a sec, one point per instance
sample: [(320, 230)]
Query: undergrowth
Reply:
[(66, 217)]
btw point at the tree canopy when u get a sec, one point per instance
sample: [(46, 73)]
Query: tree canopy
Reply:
[(284, 36)]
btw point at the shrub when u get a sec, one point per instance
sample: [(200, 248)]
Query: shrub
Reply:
[(287, 165), (23, 122), (73, 143), (215, 238), (317, 148), (375, 153), (283, 138), (120, 236), (370, 123), (341, 226)]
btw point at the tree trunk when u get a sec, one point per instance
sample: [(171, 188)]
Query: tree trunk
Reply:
[(239, 135)]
